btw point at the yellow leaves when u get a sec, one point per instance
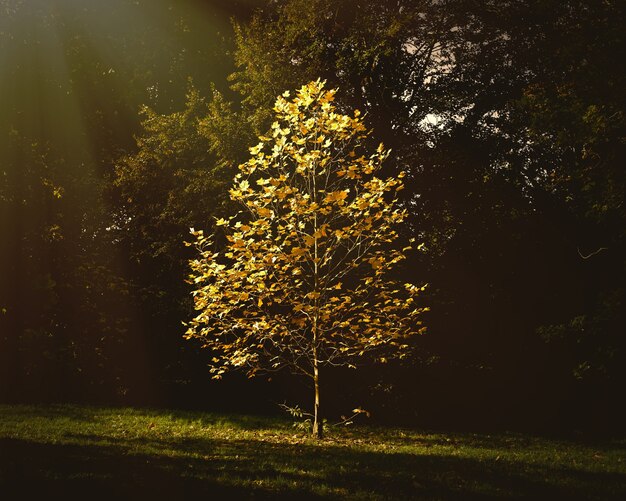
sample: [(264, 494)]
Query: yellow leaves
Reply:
[(265, 212), (281, 105), (256, 149), (321, 231), (358, 410), (376, 262), (316, 242), (362, 203), (283, 193), (307, 94), (336, 197), (298, 251), (413, 289), (328, 96), (236, 243), (276, 181), (306, 100), (353, 172)]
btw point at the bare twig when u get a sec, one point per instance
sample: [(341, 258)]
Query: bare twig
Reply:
[(592, 254)]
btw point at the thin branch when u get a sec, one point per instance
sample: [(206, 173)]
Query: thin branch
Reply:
[(592, 254)]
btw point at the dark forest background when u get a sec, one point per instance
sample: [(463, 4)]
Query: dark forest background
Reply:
[(122, 124)]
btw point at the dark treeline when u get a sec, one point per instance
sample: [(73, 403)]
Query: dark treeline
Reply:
[(121, 126)]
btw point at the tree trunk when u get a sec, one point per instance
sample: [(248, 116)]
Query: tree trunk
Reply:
[(318, 426)]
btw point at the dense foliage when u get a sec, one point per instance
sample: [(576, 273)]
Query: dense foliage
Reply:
[(507, 116)]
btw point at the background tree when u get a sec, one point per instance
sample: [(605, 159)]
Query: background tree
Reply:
[(503, 119), (173, 179), (83, 320), (65, 332), (304, 282)]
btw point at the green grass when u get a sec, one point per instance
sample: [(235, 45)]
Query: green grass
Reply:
[(106, 452)]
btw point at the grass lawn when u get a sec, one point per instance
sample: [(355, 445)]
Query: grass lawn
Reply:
[(104, 452)]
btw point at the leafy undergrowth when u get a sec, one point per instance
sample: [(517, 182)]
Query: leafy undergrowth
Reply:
[(103, 452)]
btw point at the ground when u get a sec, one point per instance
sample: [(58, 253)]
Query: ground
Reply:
[(123, 452)]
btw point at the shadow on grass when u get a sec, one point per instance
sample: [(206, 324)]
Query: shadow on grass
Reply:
[(85, 413), (251, 469)]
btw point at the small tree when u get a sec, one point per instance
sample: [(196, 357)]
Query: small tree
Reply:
[(303, 282)]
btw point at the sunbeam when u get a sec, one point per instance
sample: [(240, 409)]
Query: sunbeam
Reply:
[(73, 75)]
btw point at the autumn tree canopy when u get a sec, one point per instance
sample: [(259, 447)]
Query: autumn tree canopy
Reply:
[(304, 280)]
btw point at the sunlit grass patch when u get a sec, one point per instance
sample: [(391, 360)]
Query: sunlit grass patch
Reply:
[(128, 451)]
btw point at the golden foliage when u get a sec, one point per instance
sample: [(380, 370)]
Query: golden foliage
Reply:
[(303, 281)]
